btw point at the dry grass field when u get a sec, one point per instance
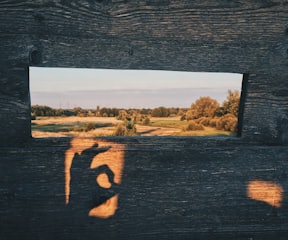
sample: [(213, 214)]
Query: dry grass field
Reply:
[(105, 126), (70, 126)]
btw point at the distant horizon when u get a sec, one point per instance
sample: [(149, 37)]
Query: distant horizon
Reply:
[(145, 98), (61, 88)]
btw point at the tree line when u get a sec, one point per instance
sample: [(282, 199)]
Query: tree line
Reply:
[(205, 111), (46, 111)]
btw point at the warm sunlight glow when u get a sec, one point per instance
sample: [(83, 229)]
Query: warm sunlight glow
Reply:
[(103, 181), (110, 154), (105, 210), (94, 102), (264, 191)]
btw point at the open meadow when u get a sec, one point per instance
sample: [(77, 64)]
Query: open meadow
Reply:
[(106, 126)]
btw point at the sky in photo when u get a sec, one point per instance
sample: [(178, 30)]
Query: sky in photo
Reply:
[(89, 88)]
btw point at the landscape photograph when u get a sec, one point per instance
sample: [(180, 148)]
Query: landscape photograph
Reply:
[(101, 102)]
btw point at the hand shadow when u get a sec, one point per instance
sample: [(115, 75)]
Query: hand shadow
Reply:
[(86, 193)]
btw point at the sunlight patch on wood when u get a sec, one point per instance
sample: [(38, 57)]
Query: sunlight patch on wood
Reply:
[(264, 191), (103, 181), (106, 209), (113, 158)]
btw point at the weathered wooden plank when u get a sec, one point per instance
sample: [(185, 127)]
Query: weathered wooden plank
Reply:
[(228, 36), (170, 188), (194, 20), (265, 107), (167, 191), (15, 109)]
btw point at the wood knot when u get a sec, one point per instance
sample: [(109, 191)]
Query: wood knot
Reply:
[(130, 52), (35, 56)]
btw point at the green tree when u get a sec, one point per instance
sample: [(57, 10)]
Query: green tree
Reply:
[(146, 121), (127, 128), (39, 110), (228, 122), (160, 112), (231, 104), (202, 107), (145, 111), (193, 126), (77, 110), (122, 115)]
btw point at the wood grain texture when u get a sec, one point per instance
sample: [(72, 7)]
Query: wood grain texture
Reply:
[(172, 188), (227, 36), (168, 191), (15, 124)]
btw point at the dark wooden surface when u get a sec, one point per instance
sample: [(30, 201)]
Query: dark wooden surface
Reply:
[(227, 36), (168, 191), (187, 188)]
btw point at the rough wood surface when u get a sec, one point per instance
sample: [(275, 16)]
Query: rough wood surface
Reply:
[(168, 191), (172, 188), (227, 36)]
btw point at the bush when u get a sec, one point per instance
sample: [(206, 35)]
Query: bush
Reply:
[(85, 128), (204, 121), (160, 112), (228, 123), (122, 130), (122, 115), (146, 121), (89, 126), (193, 126), (213, 122), (183, 117)]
